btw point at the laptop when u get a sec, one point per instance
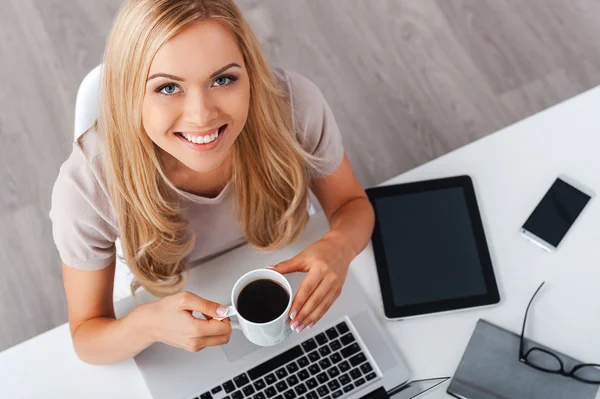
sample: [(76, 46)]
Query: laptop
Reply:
[(346, 355)]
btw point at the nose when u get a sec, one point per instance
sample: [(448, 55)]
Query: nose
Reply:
[(200, 109)]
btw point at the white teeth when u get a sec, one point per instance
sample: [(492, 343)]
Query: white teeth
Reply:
[(201, 139)]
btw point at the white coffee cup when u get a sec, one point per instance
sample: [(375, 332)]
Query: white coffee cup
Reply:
[(262, 334)]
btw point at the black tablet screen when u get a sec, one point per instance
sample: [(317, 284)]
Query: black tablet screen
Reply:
[(430, 247)]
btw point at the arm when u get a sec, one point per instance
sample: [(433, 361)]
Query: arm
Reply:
[(351, 219), (99, 338), (92, 319)]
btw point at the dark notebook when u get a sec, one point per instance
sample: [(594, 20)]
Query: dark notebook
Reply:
[(490, 369)]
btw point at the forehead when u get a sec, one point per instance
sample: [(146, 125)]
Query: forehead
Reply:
[(197, 51)]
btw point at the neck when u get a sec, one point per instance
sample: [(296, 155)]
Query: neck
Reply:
[(206, 184)]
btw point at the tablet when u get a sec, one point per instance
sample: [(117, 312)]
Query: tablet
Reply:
[(430, 248)]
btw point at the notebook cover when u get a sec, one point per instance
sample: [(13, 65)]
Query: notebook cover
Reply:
[(490, 369)]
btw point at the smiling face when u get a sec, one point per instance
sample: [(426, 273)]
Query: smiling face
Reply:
[(197, 96)]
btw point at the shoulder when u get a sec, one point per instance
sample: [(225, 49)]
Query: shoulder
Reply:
[(83, 220), (314, 123)]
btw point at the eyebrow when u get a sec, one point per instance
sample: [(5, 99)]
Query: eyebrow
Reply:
[(173, 77)]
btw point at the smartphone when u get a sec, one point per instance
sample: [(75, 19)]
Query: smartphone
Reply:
[(553, 217)]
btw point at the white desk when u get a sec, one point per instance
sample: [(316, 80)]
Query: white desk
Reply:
[(511, 170)]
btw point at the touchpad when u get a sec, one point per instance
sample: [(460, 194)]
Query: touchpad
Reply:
[(238, 346)]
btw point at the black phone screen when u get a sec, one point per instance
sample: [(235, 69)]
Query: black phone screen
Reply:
[(556, 212)]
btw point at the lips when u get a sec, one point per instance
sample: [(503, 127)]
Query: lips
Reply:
[(202, 141)]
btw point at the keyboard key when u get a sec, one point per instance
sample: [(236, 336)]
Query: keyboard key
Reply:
[(279, 397), (260, 384), (348, 388), (344, 366), (206, 395), (303, 362), (344, 379), (355, 374), (314, 369), (342, 328), (237, 395), (259, 395), (303, 375), (335, 358), (312, 383), (301, 389), (358, 359), (314, 356), (292, 380), (275, 363), (322, 391), (281, 386), (309, 345), (292, 367), (324, 350), (369, 377), (270, 392), (347, 339), (248, 390), (325, 363), (281, 373), (333, 385), (228, 387), (321, 339), (312, 395), (335, 345), (366, 368), (216, 390), (359, 382), (290, 394), (333, 372), (241, 380), (350, 350), (337, 394), (332, 333), (323, 378), (270, 378)]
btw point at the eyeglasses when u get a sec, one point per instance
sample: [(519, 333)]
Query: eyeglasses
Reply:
[(546, 361)]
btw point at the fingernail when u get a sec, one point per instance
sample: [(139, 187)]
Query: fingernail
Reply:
[(299, 329), (270, 267), (310, 326), (293, 314), (294, 325), (222, 311)]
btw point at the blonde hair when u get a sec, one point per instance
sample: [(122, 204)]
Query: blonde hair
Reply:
[(270, 169)]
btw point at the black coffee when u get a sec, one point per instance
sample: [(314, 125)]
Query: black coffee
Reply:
[(262, 301)]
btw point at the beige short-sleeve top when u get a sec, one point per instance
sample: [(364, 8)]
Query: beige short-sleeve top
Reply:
[(84, 225)]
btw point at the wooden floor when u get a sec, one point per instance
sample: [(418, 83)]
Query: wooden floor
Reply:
[(407, 80)]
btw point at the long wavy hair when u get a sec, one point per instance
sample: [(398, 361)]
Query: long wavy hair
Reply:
[(270, 169)]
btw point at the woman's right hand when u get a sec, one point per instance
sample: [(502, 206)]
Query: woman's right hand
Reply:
[(170, 321)]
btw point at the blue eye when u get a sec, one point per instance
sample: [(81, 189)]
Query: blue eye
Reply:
[(225, 80), (168, 89)]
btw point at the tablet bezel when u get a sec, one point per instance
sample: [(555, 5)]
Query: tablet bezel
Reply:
[(394, 312)]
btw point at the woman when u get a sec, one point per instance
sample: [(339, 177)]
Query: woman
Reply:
[(198, 146)]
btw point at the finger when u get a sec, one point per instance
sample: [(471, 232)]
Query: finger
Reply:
[(192, 302), (308, 286), (209, 328), (311, 304), (290, 266), (320, 311)]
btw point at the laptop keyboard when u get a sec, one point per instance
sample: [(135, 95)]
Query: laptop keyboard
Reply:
[(329, 365)]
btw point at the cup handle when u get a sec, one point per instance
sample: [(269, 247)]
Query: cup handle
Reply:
[(231, 312)]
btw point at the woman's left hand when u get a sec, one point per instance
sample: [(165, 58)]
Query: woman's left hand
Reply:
[(326, 264)]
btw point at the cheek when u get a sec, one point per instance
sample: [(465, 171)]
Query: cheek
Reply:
[(157, 118), (239, 104)]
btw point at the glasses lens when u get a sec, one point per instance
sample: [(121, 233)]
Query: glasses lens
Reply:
[(589, 373), (543, 360)]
